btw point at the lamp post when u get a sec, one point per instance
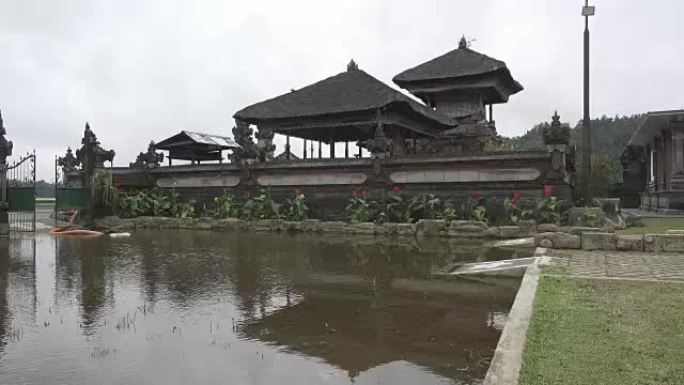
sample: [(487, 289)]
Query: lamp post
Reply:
[(587, 11)]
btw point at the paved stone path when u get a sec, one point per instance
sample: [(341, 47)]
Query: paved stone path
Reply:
[(621, 265)]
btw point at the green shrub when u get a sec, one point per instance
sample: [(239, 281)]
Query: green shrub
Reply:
[(295, 209)]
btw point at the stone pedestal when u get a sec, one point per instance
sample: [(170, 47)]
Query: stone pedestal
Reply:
[(4, 219)]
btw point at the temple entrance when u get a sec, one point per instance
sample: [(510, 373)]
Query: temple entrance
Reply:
[(69, 198), (21, 193)]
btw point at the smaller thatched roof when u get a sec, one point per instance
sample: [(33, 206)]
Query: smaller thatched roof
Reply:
[(459, 63)]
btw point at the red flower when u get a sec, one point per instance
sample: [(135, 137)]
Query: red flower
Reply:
[(396, 189), (477, 194), (548, 189), (354, 193), (517, 196), (297, 191)]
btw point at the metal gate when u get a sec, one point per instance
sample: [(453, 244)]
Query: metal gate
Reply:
[(69, 198), (21, 193)]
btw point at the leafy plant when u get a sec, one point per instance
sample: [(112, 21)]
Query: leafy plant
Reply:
[(447, 213), (156, 202), (479, 214), (404, 209), (261, 206), (295, 209), (361, 209), (226, 207), (109, 195)]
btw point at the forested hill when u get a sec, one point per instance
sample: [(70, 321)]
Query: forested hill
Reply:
[(610, 135)]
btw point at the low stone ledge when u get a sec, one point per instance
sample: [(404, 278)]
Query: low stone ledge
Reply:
[(470, 229), (528, 227), (579, 230), (508, 232), (431, 227), (363, 228), (664, 242), (599, 241), (630, 242), (547, 228), (333, 227), (310, 225), (266, 225), (406, 229), (557, 240), (290, 226), (388, 229)]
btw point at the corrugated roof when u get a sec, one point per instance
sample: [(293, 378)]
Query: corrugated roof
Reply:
[(217, 140), (182, 138)]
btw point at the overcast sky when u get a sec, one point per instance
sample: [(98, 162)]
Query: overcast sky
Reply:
[(141, 70)]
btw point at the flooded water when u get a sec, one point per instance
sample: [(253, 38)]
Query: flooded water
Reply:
[(170, 307)]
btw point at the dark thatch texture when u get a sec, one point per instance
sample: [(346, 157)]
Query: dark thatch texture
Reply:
[(350, 91), (459, 63)]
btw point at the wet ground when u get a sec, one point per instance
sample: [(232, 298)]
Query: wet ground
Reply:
[(173, 307)]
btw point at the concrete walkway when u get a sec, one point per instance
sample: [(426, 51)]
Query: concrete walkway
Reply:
[(620, 265)]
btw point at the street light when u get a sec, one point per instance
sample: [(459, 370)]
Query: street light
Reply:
[(587, 11)]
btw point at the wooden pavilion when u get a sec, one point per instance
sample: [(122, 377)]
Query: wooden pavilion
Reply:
[(196, 147), (343, 108)]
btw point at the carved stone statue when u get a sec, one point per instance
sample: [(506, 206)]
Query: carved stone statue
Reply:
[(242, 133), (91, 155), (265, 146), (556, 133), (380, 146), (5, 145), (68, 162), (149, 159)]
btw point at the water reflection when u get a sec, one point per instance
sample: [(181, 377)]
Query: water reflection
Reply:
[(175, 307)]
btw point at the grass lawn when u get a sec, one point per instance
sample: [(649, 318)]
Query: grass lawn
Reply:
[(605, 332), (655, 226)]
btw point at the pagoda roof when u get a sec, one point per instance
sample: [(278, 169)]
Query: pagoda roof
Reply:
[(351, 91), (462, 62)]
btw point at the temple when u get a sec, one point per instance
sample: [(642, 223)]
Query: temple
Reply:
[(653, 164), (377, 138)]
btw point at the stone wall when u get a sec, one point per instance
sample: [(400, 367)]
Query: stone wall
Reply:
[(423, 228), (328, 183)]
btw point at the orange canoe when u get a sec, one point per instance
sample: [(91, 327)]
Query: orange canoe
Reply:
[(76, 232)]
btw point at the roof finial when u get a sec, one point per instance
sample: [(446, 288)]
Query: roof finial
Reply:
[(352, 66), (463, 43)]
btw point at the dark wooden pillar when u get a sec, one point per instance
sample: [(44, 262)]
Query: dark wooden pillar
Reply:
[(320, 149), (346, 150), (304, 149), (287, 147), (220, 156), (170, 160), (360, 152), (311, 149), (332, 149)]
